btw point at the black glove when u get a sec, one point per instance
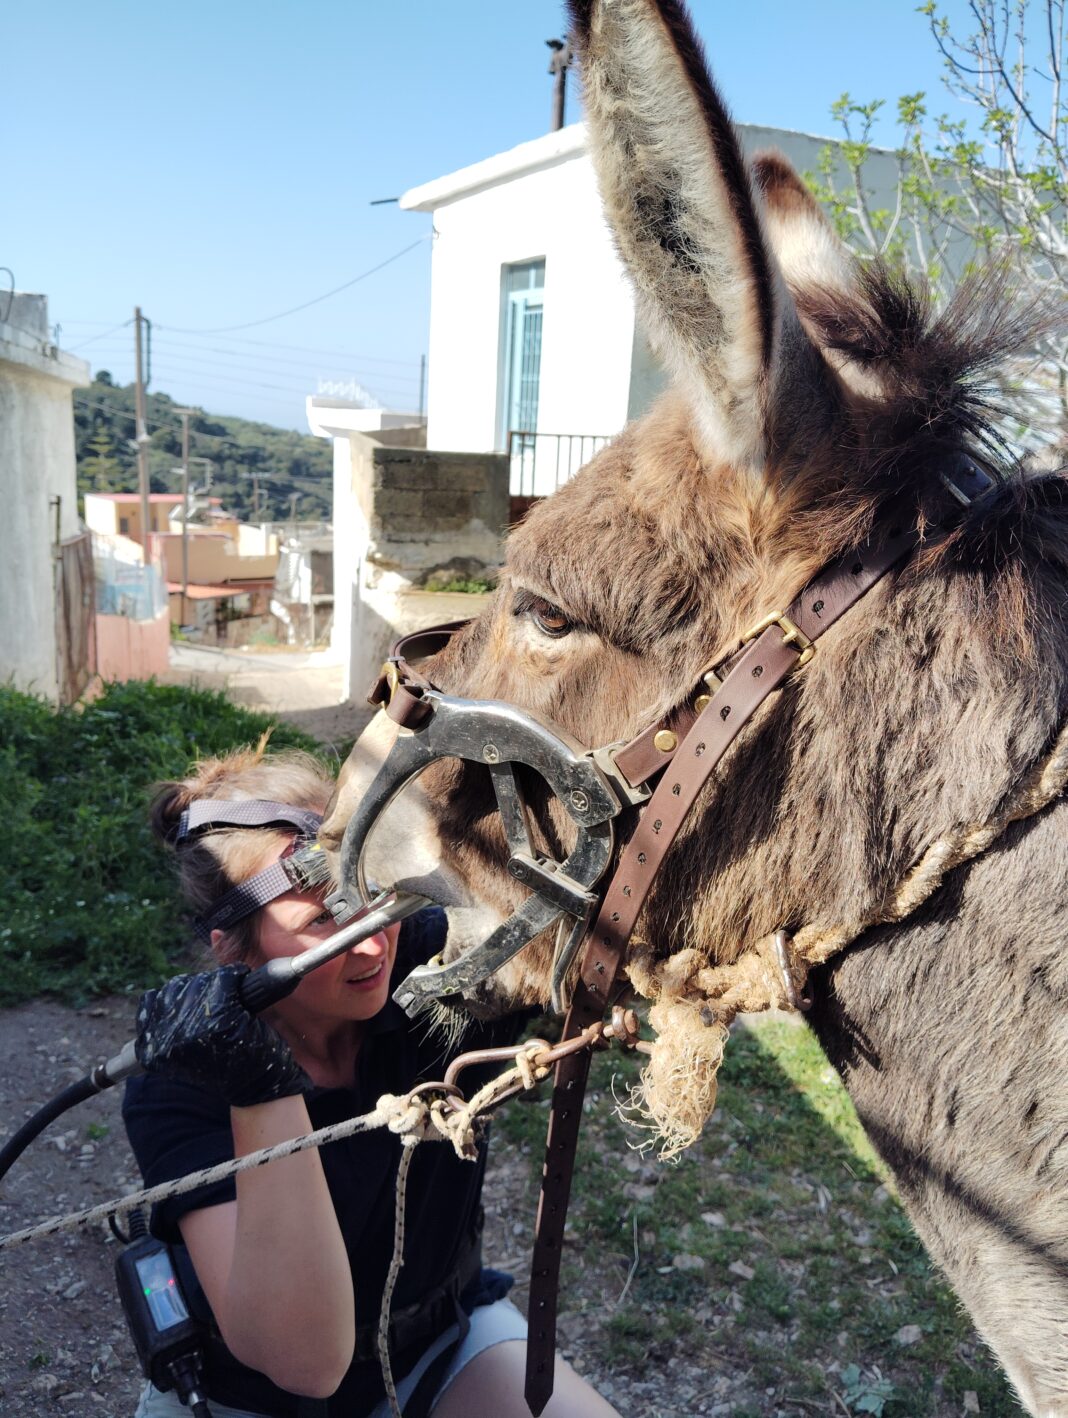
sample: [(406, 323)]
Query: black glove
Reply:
[(196, 1030)]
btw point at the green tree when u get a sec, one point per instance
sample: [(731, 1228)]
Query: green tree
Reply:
[(988, 182)]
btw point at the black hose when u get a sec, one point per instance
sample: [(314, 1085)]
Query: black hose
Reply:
[(69, 1098)]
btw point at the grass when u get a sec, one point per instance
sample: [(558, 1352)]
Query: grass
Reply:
[(785, 1188), (89, 899)]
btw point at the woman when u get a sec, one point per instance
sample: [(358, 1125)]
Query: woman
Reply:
[(288, 1261)]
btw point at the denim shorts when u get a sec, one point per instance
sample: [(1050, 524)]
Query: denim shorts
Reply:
[(490, 1325)]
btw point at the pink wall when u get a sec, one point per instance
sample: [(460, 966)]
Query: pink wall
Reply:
[(132, 649)]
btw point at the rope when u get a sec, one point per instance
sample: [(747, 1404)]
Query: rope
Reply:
[(409, 1115), (407, 1153), (675, 1099)]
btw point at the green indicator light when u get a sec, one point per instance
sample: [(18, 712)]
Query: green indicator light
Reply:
[(148, 1292)]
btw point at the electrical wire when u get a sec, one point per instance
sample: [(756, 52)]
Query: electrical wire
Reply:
[(186, 363), (103, 335), (356, 362), (266, 320)]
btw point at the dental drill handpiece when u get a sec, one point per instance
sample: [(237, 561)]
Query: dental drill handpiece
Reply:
[(269, 983)]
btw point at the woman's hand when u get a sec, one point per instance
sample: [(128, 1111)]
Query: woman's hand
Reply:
[(195, 1030)]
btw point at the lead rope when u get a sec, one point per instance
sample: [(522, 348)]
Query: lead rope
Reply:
[(408, 1146)]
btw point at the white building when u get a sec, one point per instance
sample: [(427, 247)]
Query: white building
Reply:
[(532, 328), (46, 567)]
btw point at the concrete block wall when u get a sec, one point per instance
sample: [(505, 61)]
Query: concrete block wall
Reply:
[(418, 511)]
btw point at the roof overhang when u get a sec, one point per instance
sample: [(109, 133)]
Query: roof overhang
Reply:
[(546, 151)]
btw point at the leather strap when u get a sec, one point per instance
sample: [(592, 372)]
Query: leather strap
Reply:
[(752, 674)]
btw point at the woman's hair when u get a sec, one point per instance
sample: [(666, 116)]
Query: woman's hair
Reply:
[(213, 861)]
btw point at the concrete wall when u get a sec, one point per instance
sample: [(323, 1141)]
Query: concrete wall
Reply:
[(213, 558), (132, 649), (37, 465), (106, 513), (400, 514)]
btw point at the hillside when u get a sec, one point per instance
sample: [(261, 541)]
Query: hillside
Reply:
[(242, 454)]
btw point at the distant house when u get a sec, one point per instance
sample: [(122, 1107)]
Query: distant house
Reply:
[(534, 349), (47, 643), (220, 586)]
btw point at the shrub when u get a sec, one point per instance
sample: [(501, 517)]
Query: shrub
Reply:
[(90, 903)]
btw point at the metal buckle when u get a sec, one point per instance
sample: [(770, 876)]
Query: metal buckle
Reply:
[(605, 759), (791, 635), (712, 682), (391, 675)]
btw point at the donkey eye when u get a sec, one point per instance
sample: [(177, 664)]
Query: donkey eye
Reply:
[(548, 618)]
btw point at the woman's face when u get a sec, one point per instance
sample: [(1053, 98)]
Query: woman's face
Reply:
[(353, 986)]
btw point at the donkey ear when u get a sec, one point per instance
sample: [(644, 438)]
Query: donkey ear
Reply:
[(806, 246), (677, 194), (818, 268)]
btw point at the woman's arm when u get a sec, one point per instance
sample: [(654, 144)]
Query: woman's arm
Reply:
[(273, 1264)]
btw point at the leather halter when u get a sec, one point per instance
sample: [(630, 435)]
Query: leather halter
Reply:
[(684, 748)]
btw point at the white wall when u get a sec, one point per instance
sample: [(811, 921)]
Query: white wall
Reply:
[(37, 464), (552, 212)]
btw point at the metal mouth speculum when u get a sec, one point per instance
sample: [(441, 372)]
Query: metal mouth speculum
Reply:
[(499, 736)]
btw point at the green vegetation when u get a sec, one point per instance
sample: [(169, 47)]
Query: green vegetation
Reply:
[(89, 899), (283, 461), (468, 585), (774, 1248)]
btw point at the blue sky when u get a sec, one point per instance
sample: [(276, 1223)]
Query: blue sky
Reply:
[(215, 162)]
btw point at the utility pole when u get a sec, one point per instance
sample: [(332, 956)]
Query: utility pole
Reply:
[(185, 512), (255, 496), (558, 67), (293, 496), (141, 440), (422, 385)]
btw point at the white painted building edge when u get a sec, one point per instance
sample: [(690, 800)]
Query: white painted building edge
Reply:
[(21, 348)]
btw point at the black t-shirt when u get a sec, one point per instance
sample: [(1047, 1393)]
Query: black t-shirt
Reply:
[(175, 1129)]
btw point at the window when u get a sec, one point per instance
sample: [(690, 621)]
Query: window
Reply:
[(124, 526), (522, 294)]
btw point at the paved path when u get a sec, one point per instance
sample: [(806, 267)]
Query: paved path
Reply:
[(301, 687)]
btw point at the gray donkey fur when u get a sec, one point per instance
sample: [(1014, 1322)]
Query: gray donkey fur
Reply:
[(813, 400)]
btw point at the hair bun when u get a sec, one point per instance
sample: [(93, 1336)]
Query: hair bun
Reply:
[(165, 811)]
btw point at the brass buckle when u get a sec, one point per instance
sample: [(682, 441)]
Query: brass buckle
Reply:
[(791, 635), (712, 682), (391, 675)]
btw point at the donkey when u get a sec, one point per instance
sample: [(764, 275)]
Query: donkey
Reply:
[(813, 399)]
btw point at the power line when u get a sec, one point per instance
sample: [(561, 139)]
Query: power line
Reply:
[(194, 432), (266, 320), (179, 361), (103, 335), (355, 360), (348, 355)]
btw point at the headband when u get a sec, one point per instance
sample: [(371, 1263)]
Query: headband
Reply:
[(298, 870)]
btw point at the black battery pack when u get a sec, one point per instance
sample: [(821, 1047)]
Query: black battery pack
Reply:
[(168, 1340)]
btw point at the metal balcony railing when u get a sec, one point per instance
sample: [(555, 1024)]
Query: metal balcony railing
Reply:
[(540, 462)]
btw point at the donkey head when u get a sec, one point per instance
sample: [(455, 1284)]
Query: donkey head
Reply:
[(808, 397)]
